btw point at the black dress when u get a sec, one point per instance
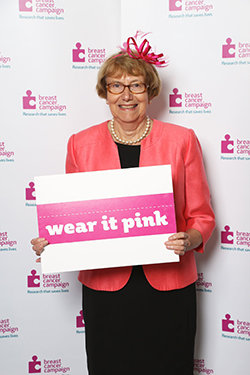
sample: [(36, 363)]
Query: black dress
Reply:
[(139, 330)]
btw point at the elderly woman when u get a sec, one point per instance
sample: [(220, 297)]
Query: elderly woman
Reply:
[(141, 320)]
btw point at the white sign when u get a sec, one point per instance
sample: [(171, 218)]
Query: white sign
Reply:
[(106, 219)]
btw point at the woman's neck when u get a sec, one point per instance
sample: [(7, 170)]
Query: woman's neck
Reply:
[(130, 132)]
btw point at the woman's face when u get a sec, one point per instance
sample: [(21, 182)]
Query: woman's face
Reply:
[(127, 108)]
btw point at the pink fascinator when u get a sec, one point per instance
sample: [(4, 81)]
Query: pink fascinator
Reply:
[(139, 48)]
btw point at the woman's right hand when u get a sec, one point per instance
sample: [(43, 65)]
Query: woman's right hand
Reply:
[(38, 246)]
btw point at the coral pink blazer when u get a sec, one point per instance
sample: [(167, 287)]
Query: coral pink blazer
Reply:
[(93, 150)]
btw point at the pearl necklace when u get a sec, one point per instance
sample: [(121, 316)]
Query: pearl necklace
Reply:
[(112, 130)]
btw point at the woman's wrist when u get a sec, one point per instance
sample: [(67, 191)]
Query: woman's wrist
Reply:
[(195, 238)]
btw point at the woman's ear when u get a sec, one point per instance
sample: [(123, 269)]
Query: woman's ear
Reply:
[(150, 100)]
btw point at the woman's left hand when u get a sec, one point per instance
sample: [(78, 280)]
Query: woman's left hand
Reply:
[(182, 242)]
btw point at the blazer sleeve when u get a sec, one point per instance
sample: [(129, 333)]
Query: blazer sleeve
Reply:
[(198, 211), (71, 163)]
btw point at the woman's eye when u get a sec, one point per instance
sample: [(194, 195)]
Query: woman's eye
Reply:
[(116, 85), (136, 85)]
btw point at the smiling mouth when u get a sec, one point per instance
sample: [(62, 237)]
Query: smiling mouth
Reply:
[(130, 106)]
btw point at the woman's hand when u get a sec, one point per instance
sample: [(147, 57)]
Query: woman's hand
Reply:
[(182, 242), (38, 246)]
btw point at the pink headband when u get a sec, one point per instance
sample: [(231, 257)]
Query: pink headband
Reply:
[(144, 51)]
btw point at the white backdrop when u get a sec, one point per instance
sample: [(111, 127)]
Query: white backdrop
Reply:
[(50, 51)]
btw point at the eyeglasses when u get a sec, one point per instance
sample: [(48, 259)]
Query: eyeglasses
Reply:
[(136, 88)]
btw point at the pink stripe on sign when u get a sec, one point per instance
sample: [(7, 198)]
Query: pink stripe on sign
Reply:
[(107, 218)]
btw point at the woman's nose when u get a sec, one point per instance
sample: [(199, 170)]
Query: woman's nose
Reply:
[(127, 94)]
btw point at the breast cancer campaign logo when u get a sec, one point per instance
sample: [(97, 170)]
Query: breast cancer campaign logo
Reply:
[(238, 149), (227, 236), (5, 154), (25, 6), (227, 324), (200, 367), (7, 330), (227, 145), (93, 56), (175, 5), (6, 244), (203, 285), (239, 238), (33, 280), (189, 9), (78, 54), (30, 195), (50, 283), (29, 101), (80, 325), (234, 53), (30, 192), (228, 49), (42, 105), (40, 9), (235, 329), (5, 61), (175, 99), (193, 102), (79, 320), (36, 366)]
